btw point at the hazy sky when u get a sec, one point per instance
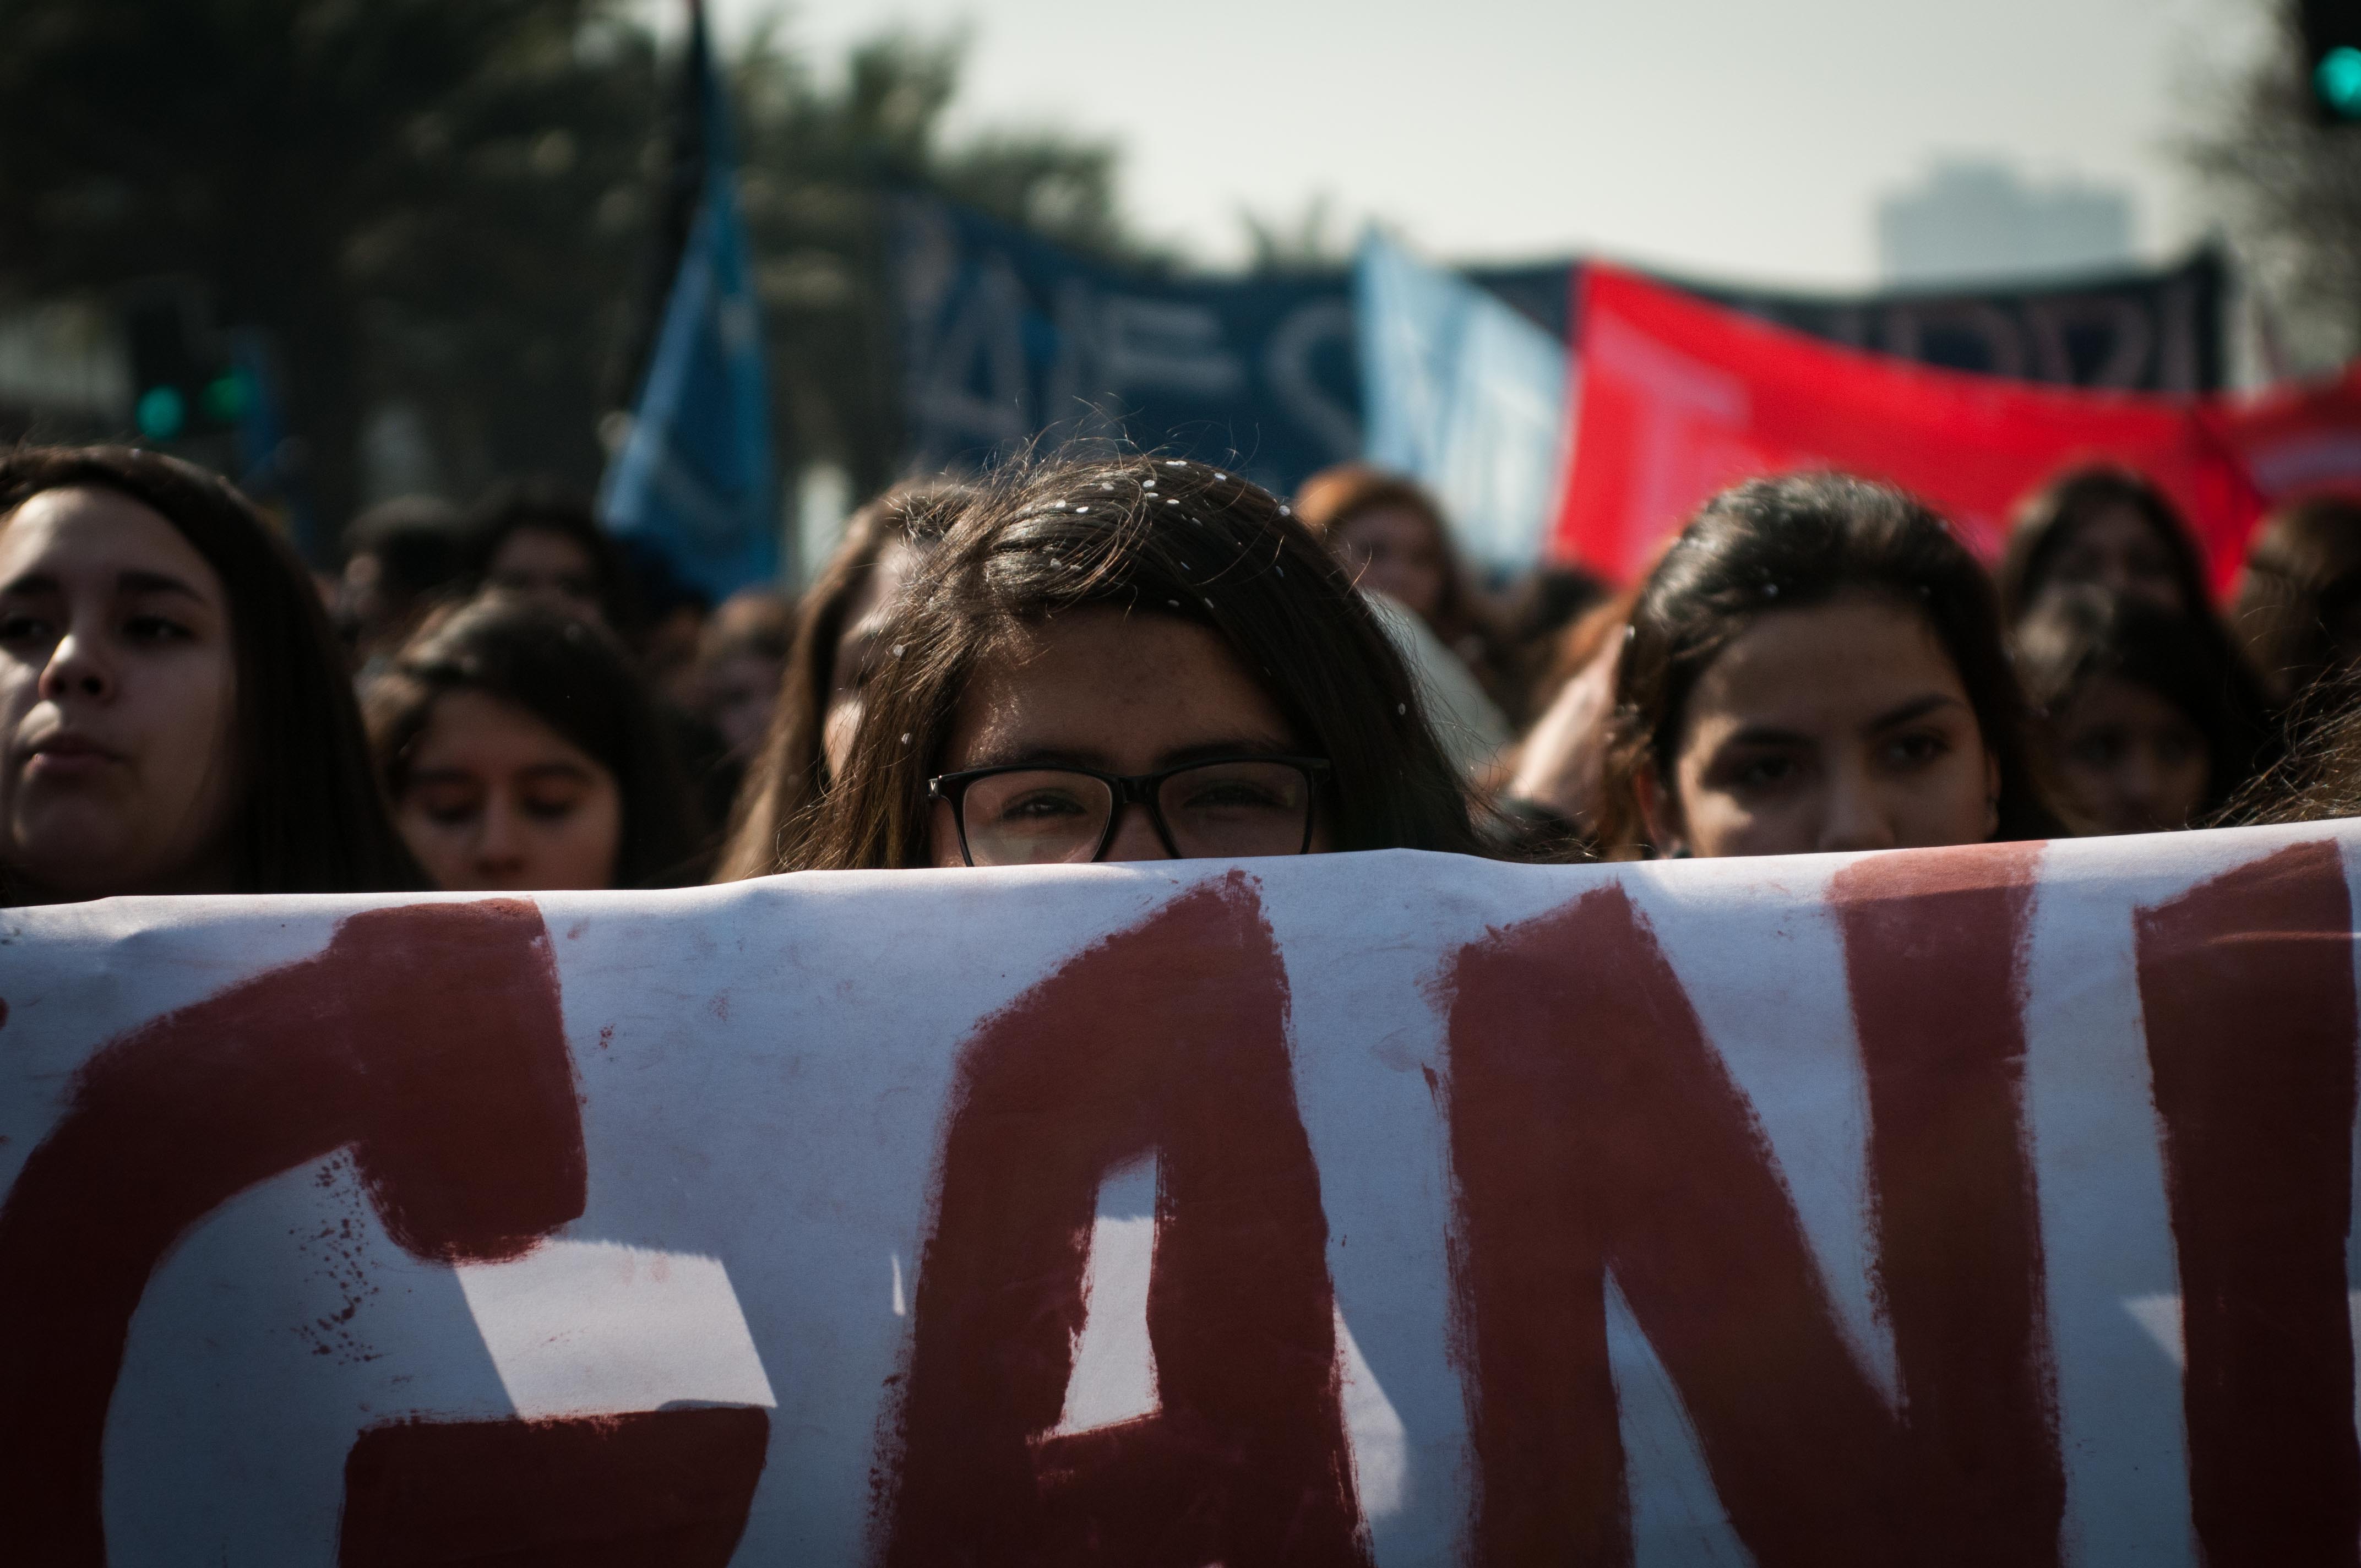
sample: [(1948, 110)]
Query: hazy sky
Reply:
[(1732, 138)]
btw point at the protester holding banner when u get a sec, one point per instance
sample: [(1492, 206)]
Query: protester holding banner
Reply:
[(1133, 658), (835, 652), (2143, 726), (522, 750), (178, 717), (2299, 600), (1816, 665)]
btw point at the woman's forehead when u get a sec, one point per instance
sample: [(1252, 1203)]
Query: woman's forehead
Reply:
[(90, 531), (1855, 645)]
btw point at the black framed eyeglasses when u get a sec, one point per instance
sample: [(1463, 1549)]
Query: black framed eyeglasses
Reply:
[(1228, 808)]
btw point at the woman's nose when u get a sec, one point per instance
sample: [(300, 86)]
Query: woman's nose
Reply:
[(76, 668), (499, 845), (1135, 837), (1854, 818)]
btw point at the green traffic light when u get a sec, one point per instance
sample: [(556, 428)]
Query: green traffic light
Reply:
[(224, 398), (161, 412), (2338, 81)]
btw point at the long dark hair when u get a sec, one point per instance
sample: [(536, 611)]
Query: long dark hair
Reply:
[(1790, 544), (2075, 637), (2317, 776), (2047, 518), (514, 505), (572, 676), (790, 774), (2300, 593), (1160, 537), (309, 819)]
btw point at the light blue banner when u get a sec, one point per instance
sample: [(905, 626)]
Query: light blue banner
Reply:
[(1464, 394)]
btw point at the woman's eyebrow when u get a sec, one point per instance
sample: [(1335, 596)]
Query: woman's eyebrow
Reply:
[(1766, 735), (137, 580), (1916, 708), (1231, 746), (1022, 756)]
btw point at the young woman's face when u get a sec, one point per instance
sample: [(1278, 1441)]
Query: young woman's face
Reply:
[(548, 567), (856, 652), (496, 800), (118, 692), (1843, 726), (2127, 761), (740, 690), (2116, 550), (1396, 551), (1122, 694)]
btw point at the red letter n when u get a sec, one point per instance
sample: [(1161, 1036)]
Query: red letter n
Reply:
[(1594, 1128), (2246, 985)]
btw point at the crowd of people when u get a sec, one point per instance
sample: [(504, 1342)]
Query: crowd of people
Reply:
[(1108, 655)]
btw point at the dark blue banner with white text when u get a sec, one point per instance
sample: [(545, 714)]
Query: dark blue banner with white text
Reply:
[(1005, 337)]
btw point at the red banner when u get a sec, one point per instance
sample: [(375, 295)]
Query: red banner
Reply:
[(1679, 398), (2299, 439)]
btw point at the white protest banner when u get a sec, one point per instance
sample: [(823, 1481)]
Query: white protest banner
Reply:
[(1985, 1205)]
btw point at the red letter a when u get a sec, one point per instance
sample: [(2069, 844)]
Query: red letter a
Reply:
[(1169, 1038)]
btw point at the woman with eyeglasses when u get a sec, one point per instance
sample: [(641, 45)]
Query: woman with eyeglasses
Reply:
[(1131, 658)]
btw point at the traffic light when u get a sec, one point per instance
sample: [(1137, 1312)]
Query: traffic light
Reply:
[(2332, 55), (185, 380)]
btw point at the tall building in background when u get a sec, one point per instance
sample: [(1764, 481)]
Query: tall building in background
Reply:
[(1977, 218)]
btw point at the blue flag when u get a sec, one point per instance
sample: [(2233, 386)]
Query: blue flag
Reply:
[(694, 475), (1466, 395)]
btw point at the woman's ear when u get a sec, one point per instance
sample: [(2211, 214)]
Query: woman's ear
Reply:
[(1660, 810)]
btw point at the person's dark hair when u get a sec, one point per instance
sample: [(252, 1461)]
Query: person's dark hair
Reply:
[(1792, 543), (2317, 775), (2047, 521), (1327, 503), (310, 820), (2299, 602), (1155, 537), (514, 505), (572, 676), (418, 550), (790, 774), (417, 541), (2075, 637), (759, 621)]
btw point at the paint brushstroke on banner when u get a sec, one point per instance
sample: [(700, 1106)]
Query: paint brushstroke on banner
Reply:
[(1971, 1205)]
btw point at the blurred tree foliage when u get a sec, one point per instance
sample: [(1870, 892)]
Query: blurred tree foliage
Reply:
[(2290, 190), (1311, 240), (426, 200), (821, 159), (448, 205)]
